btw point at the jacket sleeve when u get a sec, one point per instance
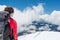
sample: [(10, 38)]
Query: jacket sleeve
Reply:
[(15, 31)]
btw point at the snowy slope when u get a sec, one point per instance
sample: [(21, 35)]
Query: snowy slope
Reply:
[(45, 35)]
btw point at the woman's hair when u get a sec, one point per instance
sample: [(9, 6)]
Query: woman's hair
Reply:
[(9, 9)]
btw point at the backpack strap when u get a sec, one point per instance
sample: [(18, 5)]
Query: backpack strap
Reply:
[(6, 31)]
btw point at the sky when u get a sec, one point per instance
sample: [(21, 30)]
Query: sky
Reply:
[(49, 5)]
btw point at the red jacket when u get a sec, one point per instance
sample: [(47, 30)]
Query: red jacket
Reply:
[(13, 25)]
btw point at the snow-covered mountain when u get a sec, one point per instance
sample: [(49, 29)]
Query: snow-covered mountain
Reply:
[(45, 35), (40, 25)]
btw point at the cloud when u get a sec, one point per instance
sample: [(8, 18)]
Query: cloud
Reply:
[(28, 15), (2, 7), (54, 17)]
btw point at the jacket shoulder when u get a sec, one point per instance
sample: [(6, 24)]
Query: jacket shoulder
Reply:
[(12, 20)]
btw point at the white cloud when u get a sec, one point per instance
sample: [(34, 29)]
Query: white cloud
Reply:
[(39, 9), (28, 15), (54, 17), (2, 7)]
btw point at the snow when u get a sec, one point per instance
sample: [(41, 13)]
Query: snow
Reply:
[(45, 35)]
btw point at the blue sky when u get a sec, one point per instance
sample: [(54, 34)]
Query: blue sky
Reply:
[(49, 5)]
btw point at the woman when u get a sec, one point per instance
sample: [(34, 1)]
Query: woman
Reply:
[(12, 23)]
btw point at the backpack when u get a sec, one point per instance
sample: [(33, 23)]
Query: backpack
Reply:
[(4, 25)]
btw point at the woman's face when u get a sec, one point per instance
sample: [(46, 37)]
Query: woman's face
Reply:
[(11, 15)]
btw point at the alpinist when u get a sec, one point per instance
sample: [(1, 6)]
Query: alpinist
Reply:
[(13, 25)]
